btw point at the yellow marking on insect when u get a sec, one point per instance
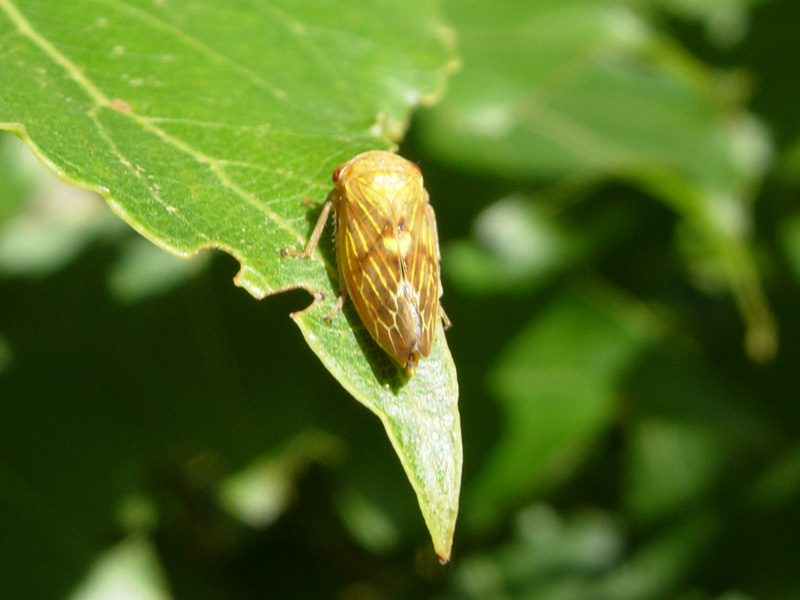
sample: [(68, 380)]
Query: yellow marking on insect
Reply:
[(387, 252), (397, 244)]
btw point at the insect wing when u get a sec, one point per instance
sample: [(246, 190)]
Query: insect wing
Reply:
[(421, 267), (372, 266)]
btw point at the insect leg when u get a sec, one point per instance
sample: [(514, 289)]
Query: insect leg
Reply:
[(336, 308), (315, 235), (447, 323)]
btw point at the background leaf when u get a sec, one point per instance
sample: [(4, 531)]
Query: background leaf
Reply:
[(556, 379), (585, 90)]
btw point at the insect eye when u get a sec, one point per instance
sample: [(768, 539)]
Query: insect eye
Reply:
[(337, 173)]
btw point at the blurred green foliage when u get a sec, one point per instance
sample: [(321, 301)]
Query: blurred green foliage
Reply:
[(616, 188)]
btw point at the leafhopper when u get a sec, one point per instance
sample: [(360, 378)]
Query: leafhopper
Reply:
[(387, 252)]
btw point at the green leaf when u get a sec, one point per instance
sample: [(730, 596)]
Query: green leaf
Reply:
[(206, 125), (130, 569), (516, 247), (18, 181), (726, 21), (144, 271), (54, 227), (581, 90), (260, 493), (671, 465), (557, 383), (790, 239), (585, 554)]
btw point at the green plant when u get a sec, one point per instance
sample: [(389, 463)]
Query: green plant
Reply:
[(598, 189)]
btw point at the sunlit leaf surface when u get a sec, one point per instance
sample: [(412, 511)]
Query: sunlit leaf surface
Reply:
[(206, 125)]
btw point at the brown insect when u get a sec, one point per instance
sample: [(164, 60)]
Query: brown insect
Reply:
[(387, 251)]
